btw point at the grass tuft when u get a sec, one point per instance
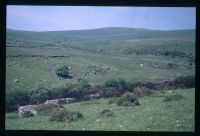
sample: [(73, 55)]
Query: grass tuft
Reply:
[(107, 113), (65, 116), (175, 97)]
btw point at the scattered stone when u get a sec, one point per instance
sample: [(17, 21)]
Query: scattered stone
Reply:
[(55, 101), (94, 69), (60, 101), (66, 100), (92, 96)]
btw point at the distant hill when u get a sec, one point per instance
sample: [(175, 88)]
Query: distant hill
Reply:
[(99, 34)]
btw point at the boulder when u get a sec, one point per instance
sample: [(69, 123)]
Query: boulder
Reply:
[(54, 101), (27, 111)]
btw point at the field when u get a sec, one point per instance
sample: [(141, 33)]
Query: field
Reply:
[(99, 55), (152, 115)]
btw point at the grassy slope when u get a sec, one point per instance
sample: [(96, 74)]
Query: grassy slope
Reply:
[(151, 115), (112, 40)]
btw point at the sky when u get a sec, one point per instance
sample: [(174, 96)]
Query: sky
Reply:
[(56, 18)]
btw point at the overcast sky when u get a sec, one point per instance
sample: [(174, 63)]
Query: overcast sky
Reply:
[(53, 18)]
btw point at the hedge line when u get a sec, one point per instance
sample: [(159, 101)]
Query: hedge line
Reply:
[(110, 88), (38, 95)]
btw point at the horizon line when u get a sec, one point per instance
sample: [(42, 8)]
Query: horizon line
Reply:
[(99, 28)]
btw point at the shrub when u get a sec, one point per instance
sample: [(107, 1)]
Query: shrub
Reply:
[(47, 109), (84, 83), (138, 83), (128, 99), (27, 114), (142, 91), (175, 97), (111, 83), (187, 82), (111, 92), (65, 116), (112, 100), (123, 85), (119, 84), (39, 95), (79, 91), (16, 98), (63, 72), (107, 113), (61, 91)]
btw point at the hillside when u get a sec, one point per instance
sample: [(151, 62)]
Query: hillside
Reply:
[(151, 65), (122, 50), (101, 34)]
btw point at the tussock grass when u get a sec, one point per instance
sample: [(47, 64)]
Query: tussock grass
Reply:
[(175, 97), (64, 116)]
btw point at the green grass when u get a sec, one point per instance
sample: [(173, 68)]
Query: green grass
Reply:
[(128, 67), (84, 48), (152, 115), (104, 46)]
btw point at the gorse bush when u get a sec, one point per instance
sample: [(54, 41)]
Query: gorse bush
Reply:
[(63, 72), (142, 91), (64, 116), (111, 92), (128, 99), (175, 97), (47, 109)]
